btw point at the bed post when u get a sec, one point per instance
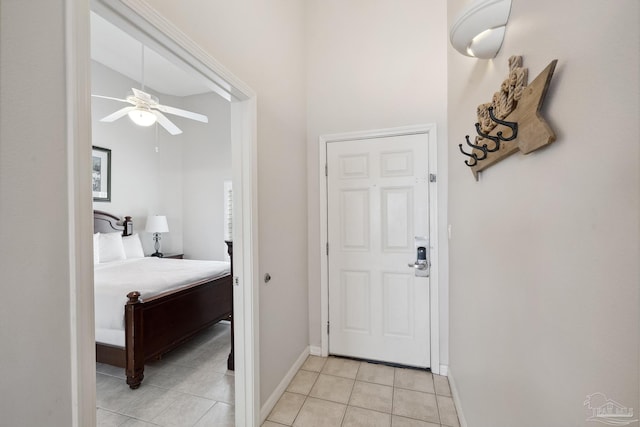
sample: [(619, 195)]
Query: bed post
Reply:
[(134, 341), (231, 358), (128, 226)]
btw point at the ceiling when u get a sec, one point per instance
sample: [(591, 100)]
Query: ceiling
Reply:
[(117, 50)]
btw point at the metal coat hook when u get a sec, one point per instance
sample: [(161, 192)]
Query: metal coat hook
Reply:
[(472, 155), (482, 148), (495, 139), (511, 125)]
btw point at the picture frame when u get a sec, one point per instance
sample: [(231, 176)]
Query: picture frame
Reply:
[(101, 174)]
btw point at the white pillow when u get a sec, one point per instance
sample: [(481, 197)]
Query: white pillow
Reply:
[(111, 247), (96, 248), (132, 246)]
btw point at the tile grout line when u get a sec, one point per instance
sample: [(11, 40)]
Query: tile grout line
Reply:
[(344, 415), (393, 394)]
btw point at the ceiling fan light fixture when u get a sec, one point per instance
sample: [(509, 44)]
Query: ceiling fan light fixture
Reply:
[(142, 116)]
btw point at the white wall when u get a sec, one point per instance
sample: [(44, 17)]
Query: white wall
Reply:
[(35, 268), (206, 164), (374, 64), (545, 248), (262, 42)]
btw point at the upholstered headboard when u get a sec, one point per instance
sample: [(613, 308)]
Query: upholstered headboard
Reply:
[(104, 222)]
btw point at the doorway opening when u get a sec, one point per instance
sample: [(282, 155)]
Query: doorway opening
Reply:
[(153, 31)]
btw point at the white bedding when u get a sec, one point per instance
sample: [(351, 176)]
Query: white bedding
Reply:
[(150, 276)]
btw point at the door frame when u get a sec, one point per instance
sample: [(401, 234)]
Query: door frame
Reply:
[(434, 312), (156, 31)]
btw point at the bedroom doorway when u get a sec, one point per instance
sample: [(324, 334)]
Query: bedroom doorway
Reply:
[(150, 29)]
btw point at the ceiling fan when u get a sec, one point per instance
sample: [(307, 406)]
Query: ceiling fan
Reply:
[(146, 110)]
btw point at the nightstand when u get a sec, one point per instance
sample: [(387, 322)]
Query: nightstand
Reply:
[(174, 256)]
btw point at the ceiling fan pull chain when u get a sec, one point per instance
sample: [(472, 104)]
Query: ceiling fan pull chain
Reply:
[(142, 67)]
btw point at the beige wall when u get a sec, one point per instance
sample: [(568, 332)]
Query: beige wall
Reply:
[(544, 250), (374, 64), (34, 310), (262, 43)]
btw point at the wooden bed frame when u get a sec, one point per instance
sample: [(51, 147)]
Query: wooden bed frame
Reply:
[(161, 323)]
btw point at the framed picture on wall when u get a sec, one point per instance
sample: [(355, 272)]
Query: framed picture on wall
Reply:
[(101, 174)]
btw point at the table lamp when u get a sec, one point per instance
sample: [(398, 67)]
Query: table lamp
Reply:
[(157, 224)]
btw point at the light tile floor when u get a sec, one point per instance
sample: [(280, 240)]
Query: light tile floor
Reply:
[(336, 392), (189, 387)]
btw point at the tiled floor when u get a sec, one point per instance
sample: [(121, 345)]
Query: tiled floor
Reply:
[(335, 392), (188, 387), (191, 387)]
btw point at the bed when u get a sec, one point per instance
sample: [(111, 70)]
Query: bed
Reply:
[(144, 322)]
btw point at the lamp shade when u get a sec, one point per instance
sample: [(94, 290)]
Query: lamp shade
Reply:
[(157, 224)]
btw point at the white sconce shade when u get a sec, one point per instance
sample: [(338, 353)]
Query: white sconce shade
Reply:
[(157, 224), (142, 116), (479, 30)]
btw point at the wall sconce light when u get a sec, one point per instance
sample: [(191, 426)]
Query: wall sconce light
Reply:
[(479, 30), (157, 224)]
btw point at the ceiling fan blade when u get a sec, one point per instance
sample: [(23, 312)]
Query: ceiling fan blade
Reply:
[(167, 124), (115, 116), (182, 113), (110, 97)]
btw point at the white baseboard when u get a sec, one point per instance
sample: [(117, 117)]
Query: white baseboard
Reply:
[(456, 399), (273, 399), (314, 350), (444, 370)]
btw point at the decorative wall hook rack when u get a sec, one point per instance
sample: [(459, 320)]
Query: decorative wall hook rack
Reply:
[(514, 111)]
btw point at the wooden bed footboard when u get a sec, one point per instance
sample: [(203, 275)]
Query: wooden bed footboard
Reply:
[(162, 323)]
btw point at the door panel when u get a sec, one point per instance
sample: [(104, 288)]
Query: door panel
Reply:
[(377, 201), (397, 221), (398, 292), (354, 211), (355, 294)]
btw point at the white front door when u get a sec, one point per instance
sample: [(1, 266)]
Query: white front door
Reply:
[(377, 203)]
